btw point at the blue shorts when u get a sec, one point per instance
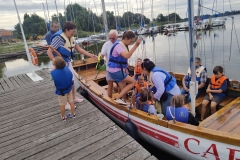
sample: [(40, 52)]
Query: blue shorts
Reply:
[(118, 76)]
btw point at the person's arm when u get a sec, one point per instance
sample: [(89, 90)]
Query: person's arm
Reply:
[(56, 43), (129, 54), (82, 51), (48, 39), (184, 84), (222, 88), (158, 81)]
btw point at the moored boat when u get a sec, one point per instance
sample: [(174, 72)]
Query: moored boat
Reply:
[(217, 137)]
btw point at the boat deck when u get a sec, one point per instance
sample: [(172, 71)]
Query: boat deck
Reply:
[(226, 119), (31, 127)]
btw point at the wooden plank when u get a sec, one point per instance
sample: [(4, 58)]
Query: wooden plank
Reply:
[(19, 81), (9, 83), (50, 138), (231, 124), (14, 82), (83, 143), (29, 129), (140, 154), (102, 148), (124, 152), (21, 77), (1, 88), (4, 85), (216, 122), (27, 78)]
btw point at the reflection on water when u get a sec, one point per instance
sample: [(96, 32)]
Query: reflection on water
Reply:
[(169, 51)]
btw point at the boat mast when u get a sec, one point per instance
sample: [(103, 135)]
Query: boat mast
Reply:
[(25, 42), (57, 15), (45, 16), (193, 85), (48, 11), (105, 19)]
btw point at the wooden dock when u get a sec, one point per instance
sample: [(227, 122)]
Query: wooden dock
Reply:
[(30, 126)]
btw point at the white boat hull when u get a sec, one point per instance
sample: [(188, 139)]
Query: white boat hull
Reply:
[(184, 146)]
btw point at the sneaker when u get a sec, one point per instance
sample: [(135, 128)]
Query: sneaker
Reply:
[(78, 100), (120, 101), (71, 115), (64, 119)]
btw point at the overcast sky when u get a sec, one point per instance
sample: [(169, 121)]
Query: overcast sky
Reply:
[(9, 16)]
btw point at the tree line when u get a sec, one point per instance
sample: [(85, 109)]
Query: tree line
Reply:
[(86, 20)]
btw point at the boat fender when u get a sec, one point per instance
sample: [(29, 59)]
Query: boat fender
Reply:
[(84, 93), (131, 129)]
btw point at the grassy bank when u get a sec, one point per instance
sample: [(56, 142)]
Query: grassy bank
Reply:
[(12, 47)]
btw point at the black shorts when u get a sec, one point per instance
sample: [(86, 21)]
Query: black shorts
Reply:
[(217, 99)]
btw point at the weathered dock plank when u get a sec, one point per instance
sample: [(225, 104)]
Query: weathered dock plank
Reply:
[(18, 80), (14, 82), (31, 127), (4, 85), (9, 83)]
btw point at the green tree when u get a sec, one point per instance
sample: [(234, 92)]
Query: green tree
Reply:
[(161, 18)]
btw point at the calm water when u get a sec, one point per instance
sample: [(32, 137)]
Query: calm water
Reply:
[(171, 52)]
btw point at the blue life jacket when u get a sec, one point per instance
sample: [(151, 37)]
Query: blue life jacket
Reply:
[(198, 75), (169, 81), (181, 114), (62, 80), (67, 51), (117, 62)]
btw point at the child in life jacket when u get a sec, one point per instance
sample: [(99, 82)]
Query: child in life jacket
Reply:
[(215, 91), (178, 112), (138, 69), (136, 93), (144, 102), (62, 78)]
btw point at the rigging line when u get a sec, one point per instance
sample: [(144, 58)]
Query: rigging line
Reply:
[(223, 43), (231, 40), (211, 9), (169, 55), (174, 52), (234, 25)]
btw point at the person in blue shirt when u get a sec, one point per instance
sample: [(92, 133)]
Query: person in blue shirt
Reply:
[(180, 113), (216, 90), (54, 29), (62, 78)]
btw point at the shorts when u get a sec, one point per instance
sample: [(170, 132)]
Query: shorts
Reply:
[(217, 99), (108, 78), (62, 100), (70, 67), (118, 76)]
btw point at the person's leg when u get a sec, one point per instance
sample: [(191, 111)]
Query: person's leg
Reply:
[(166, 103), (62, 100), (76, 99), (125, 88), (213, 107), (216, 100), (70, 101), (188, 95), (204, 107), (110, 88)]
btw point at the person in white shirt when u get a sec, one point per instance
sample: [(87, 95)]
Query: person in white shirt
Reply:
[(106, 53)]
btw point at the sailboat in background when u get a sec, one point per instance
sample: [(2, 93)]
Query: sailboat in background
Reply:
[(143, 27)]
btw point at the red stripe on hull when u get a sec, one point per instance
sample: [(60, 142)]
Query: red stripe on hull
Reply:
[(142, 127)]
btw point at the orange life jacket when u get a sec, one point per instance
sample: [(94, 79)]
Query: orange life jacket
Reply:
[(216, 84), (138, 87), (138, 69)]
